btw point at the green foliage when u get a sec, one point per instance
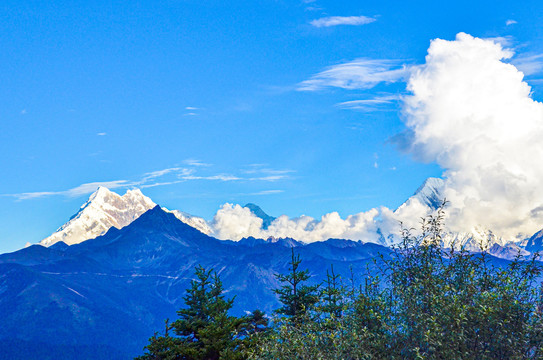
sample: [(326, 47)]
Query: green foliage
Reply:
[(428, 303), (332, 295), (204, 330), (296, 296)]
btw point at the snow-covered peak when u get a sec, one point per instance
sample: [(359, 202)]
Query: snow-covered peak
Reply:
[(104, 209), (196, 222), (430, 193)]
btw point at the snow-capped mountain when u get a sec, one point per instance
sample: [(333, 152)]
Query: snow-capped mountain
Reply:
[(106, 209), (191, 220), (103, 210), (430, 193)]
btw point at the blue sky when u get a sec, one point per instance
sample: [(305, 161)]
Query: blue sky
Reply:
[(243, 100)]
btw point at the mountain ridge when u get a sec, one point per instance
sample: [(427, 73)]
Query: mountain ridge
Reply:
[(117, 288)]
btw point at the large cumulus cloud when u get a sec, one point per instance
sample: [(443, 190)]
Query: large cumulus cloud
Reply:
[(471, 112)]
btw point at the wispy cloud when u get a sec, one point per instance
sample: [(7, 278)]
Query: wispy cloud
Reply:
[(510, 22), (88, 188), (366, 105), (159, 173), (82, 189), (190, 114), (191, 108), (342, 20), (195, 162), (357, 74), (163, 177), (261, 172), (267, 192), (504, 41), (101, 134), (529, 64), (163, 183), (23, 112), (269, 178), (220, 177), (261, 169)]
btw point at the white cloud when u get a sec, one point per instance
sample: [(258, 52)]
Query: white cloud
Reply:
[(234, 222), (471, 112), (342, 20), (529, 64), (367, 105), (195, 162), (220, 177), (88, 188), (190, 114), (268, 178), (191, 108), (357, 74), (510, 22), (33, 195), (159, 173), (146, 180), (163, 177), (82, 189), (101, 134), (504, 41), (267, 192)]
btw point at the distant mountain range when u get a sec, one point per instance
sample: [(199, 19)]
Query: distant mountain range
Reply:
[(104, 282), (106, 209), (107, 279), (114, 291)]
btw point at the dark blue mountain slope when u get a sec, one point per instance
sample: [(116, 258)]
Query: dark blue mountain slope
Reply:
[(115, 291)]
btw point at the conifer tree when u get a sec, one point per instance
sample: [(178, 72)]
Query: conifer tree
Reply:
[(296, 296), (332, 295), (204, 330), (163, 347)]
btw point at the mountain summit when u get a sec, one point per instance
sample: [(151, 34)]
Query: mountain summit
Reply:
[(430, 193), (258, 212), (103, 210)]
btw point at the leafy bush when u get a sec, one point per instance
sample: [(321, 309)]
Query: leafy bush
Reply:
[(426, 303)]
